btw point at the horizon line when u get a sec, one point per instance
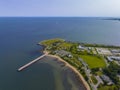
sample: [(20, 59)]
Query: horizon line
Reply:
[(67, 16)]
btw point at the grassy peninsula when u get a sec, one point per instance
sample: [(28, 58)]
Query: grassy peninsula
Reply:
[(98, 64)]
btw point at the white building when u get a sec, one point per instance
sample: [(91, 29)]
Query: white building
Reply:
[(111, 58), (103, 51)]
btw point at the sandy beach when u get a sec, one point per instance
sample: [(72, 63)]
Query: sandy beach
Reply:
[(74, 69)]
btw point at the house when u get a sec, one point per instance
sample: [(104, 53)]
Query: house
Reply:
[(115, 51), (63, 53), (70, 56), (106, 79), (116, 58), (109, 59), (81, 47), (103, 51)]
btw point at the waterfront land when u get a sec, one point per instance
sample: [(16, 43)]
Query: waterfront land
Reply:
[(98, 66)]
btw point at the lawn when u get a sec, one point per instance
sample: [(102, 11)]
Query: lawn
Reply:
[(65, 45), (94, 80), (93, 61), (51, 41), (108, 88)]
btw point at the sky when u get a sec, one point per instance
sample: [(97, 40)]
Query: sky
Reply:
[(60, 8)]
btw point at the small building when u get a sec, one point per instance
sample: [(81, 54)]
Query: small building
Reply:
[(89, 48), (70, 56), (63, 53), (103, 51), (81, 47), (106, 79), (111, 58), (115, 51), (116, 58)]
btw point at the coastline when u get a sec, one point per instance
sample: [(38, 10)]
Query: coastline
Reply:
[(71, 67)]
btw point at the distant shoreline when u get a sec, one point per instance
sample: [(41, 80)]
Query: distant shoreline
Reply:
[(81, 78), (89, 44)]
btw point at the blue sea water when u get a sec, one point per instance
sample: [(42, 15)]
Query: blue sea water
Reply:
[(19, 36)]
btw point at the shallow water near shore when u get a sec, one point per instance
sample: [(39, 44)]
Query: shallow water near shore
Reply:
[(51, 72), (64, 77)]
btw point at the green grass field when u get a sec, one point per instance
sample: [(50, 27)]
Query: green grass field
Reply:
[(51, 41), (94, 80), (93, 61), (65, 45), (108, 88)]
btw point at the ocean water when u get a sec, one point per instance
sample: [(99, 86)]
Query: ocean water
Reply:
[(18, 39)]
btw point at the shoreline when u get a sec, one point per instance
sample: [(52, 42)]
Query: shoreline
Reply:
[(71, 67)]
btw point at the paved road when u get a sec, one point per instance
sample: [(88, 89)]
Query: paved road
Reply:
[(99, 81), (87, 72)]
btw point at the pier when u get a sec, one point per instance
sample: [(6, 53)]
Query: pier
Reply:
[(33, 61)]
